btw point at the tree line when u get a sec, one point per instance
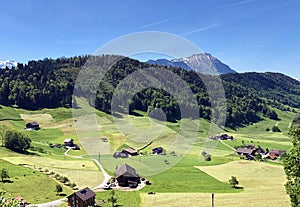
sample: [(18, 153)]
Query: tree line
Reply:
[(49, 83)]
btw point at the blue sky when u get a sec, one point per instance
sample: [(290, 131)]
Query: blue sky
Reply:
[(248, 35)]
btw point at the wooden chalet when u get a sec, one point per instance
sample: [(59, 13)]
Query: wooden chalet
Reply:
[(274, 154), (69, 142), (127, 177), (32, 125), (245, 151), (82, 198)]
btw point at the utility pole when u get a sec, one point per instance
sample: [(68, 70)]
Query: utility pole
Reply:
[(212, 200)]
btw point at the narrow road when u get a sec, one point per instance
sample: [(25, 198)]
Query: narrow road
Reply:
[(61, 201), (106, 176)]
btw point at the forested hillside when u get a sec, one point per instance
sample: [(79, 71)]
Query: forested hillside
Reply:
[(50, 83), (277, 88)]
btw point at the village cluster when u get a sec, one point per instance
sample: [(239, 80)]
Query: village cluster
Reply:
[(125, 176), (250, 152)]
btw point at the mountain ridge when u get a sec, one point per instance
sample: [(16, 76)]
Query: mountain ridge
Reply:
[(49, 83), (203, 62)]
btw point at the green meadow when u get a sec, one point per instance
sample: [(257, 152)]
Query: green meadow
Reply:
[(184, 175)]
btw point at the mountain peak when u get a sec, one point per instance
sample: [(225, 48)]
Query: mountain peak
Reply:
[(203, 63), (8, 63)]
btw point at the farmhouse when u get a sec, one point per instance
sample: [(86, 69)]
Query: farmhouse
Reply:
[(274, 154), (259, 150), (250, 151), (127, 177), (82, 198), (69, 142), (130, 151), (32, 125), (245, 151)]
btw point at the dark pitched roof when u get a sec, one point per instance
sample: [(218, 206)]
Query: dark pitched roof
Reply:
[(278, 152), (244, 150), (125, 170), (33, 123), (85, 194)]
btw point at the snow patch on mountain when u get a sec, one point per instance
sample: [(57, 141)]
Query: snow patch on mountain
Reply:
[(8, 63)]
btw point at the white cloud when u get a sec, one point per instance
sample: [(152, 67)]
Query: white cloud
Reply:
[(238, 3), (155, 23), (202, 29)]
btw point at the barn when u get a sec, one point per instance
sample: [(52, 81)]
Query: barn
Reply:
[(127, 177), (32, 125)]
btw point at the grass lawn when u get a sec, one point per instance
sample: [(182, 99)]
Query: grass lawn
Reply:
[(9, 113), (263, 186), (184, 177), (131, 198), (32, 185), (84, 173), (182, 184)]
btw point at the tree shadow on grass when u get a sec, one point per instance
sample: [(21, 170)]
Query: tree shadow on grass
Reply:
[(7, 181)]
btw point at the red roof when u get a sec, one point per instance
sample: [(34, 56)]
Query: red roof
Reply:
[(130, 150), (19, 198), (272, 156), (278, 152)]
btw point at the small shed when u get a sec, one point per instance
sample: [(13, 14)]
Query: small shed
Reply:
[(130, 151), (127, 177), (32, 125), (157, 150), (120, 155), (82, 198), (226, 137)]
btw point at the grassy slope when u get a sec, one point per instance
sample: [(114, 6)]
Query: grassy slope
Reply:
[(26, 181), (194, 180), (53, 122), (82, 172)]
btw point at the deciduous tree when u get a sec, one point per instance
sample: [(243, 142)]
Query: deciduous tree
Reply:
[(17, 141), (233, 181), (291, 163), (4, 174)]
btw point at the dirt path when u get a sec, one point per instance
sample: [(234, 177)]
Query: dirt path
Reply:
[(49, 204), (227, 145)]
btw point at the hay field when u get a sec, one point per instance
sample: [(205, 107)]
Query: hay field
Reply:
[(263, 186), (84, 173)]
